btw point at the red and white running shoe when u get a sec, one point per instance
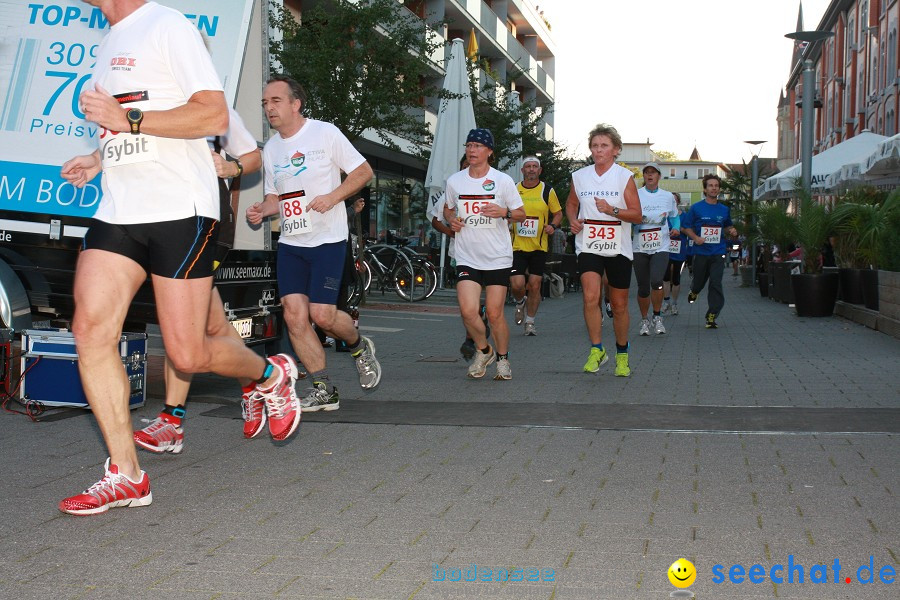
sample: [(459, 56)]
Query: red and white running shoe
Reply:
[(113, 491), (163, 434), (282, 404), (253, 407)]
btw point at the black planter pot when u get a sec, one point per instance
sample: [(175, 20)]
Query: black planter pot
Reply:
[(781, 273), (870, 288), (851, 285), (815, 294), (763, 280)]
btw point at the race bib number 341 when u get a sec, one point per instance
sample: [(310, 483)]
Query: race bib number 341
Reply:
[(294, 217), (601, 237)]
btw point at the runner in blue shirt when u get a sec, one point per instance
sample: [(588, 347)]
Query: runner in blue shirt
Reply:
[(706, 223)]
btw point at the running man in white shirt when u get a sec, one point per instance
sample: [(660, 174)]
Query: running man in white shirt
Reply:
[(302, 164), (480, 202), (602, 204), (158, 214)]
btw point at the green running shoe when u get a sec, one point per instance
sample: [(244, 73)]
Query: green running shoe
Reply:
[(596, 358), (622, 368)]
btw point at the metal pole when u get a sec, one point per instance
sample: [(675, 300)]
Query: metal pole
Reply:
[(807, 125), (754, 181)]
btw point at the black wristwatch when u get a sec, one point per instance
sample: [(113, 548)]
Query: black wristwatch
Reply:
[(134, 116), (554, 226)]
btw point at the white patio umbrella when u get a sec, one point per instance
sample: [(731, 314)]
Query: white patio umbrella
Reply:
[(885, 161), (455, 119), (851, 151), (514, 170)]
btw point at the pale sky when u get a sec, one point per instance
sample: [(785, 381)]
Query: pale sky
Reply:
[(678, 72)]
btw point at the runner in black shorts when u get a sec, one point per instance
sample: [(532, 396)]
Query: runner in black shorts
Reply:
[(602, 204)]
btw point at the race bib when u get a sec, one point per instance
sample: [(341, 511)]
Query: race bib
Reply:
[(117, 149), (469, 210), (528, 228), (711, 233), (295, 219), (674, 245), (601, 237), (650, 240)]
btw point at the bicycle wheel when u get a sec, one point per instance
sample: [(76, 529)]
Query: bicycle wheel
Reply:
[(412, 284), (355, 289), (365, 273)]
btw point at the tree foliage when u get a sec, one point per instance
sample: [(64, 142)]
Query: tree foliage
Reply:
[(665, 155), (494, 111), (363, 65)]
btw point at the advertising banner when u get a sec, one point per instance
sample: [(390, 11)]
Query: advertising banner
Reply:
[(47, 54)]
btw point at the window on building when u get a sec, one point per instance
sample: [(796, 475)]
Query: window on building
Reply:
[(851, 39), (892, 57), (672, 172), (890, 125)]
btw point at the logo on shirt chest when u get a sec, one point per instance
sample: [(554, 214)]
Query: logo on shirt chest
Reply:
[(122, 63), (488, 185), (297, 159)]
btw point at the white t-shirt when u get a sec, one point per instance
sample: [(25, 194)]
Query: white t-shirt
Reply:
[(306, 165), (657, 207), (155, 59), (610, 187), (484, 243), (237, 141)]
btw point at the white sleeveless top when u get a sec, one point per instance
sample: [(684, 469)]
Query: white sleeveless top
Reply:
[(610, 187)]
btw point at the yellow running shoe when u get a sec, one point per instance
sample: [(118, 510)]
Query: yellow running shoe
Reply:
[(622, 368), (596, 358)]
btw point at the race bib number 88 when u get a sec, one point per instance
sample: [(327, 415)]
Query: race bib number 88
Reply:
[(294, 217)]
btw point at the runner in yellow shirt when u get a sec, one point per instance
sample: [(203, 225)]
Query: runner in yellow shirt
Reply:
[(530, 241)]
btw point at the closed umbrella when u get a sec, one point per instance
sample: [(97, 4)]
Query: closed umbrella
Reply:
[(454, 121)]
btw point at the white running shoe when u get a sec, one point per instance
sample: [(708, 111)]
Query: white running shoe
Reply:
[(658, 326), (520, 310), (645, 327), (480, 363)]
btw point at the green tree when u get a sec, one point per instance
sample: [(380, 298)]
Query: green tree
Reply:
[(665, 155), (740, 195), (363, 65)]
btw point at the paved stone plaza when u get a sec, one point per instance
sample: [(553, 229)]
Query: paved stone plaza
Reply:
[(773, 438)]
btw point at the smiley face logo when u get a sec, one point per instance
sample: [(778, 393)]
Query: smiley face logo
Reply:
[(682, 573)]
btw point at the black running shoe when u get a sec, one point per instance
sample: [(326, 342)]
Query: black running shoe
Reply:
[(467, 349)]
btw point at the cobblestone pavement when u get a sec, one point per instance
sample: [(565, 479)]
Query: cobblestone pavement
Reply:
[(378, 509)]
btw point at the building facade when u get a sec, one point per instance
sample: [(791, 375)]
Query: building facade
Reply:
[(682, 176), (513, 42), (857, 78)]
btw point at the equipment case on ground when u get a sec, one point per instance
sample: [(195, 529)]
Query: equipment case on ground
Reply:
[(50, 368)]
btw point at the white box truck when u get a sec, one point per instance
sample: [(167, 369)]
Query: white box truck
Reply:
[(47, 50)]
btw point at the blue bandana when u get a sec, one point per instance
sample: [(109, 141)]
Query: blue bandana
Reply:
[(482, 136)]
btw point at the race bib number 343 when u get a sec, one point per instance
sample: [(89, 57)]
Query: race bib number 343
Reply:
[(294, 217), (601, 237)]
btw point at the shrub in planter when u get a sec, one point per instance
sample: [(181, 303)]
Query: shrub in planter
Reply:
[(815, 292)]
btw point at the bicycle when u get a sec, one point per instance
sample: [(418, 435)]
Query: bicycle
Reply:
[(410, 276)]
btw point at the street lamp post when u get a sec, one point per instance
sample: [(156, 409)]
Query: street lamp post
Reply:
[(807, 123), (754, 182)]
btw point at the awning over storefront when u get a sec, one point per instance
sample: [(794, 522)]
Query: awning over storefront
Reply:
[(827, 163)]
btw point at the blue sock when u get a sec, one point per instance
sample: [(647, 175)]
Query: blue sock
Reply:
[(598, 346), (622, 349)]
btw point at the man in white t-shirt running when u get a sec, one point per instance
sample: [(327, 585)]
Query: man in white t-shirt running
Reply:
[(158, 214), (303, 162), (480, 202)]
